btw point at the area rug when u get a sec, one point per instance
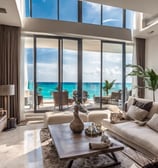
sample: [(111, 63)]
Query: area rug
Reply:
[(51, 159)]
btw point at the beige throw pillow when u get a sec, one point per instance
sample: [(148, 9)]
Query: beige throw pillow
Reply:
[(153, 122), (136, 113)]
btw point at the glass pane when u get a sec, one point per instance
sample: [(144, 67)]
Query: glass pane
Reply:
[(70, 52), (112, 16), (68, 10), (91, 70), (47, 71), (27, 8), (44, 9), (28, 73), (112, 71), (129, 19), (91, 13)]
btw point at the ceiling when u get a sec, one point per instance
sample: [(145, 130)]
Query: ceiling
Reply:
[(12, 17), (150, 8)]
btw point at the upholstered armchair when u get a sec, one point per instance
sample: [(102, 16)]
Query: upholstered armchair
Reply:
[(63, 98)]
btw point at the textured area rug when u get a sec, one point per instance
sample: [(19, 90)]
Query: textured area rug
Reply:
[(51, 159)]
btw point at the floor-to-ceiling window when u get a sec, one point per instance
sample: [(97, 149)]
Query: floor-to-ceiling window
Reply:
[(70, 55), (46, 68), (91, 70), (112, 72), (54, 65)]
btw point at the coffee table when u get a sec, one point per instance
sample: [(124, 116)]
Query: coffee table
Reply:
[(71, 146)]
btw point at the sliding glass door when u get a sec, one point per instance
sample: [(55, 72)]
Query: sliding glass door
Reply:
[(112, 73), (70, 55), (91, 71), (69, 66), (46, 68)]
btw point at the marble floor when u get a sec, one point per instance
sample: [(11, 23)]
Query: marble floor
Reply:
[(21, 147)]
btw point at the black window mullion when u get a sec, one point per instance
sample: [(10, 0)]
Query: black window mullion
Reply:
[(30, 7), (101, 75), (124, 18), (35, 70), (123, 73), (80, 66), (60, 71), (58, 9), (79, 11), (101, 18)]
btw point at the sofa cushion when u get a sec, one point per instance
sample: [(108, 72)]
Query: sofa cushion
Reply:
[(143, 105), (136, 113), (153, 122), (138, 136)]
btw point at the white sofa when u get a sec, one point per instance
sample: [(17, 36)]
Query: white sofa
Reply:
[(65, 117), (142, 138)]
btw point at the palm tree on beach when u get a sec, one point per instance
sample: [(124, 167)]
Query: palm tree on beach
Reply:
[(107, 86)]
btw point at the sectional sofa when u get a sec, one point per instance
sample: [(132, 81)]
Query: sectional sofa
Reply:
[(140, 134)]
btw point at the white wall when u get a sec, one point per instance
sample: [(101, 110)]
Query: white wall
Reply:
[(152, 60), (71, 29)]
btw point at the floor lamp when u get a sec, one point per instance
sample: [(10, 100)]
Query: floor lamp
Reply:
[(7, 91)]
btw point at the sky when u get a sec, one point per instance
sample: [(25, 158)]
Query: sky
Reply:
[(47, 58)]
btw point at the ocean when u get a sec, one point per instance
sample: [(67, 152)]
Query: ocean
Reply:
[(93, 89)]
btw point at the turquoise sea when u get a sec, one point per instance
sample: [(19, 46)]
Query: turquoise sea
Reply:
[(93, 89)]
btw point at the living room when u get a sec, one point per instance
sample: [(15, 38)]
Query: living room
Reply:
[(36, 32)]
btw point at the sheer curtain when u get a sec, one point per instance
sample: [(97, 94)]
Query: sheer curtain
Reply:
[(9, 65), (140, 57)]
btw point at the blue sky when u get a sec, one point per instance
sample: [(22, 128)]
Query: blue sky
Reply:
[(47, 58)]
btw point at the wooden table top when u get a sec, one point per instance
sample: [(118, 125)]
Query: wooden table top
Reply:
[(70, 145)]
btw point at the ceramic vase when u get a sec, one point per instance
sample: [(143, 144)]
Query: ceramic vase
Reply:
[(76, 124)]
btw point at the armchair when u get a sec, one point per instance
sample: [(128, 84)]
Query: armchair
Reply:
[(64, 98)]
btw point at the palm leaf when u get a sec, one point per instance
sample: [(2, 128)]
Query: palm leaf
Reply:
[(148, 75)]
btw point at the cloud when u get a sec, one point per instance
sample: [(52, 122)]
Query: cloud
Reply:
[(110, 20), (108, 8), (112, 68)]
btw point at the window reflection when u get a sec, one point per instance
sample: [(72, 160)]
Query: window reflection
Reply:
[(46, 9), (91, 13), (112, 16)]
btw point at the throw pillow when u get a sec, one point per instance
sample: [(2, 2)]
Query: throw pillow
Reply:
[(136, 113), (143, 105), (153, 122)]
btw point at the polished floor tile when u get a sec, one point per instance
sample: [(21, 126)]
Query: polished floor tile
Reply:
[(21, 148)]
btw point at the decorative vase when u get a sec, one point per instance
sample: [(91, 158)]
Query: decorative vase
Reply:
[(76, 124)]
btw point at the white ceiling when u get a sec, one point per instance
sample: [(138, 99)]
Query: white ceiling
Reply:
[(12, 16)]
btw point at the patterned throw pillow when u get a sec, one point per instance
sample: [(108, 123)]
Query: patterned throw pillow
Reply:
[(136, 113), (143, 105)]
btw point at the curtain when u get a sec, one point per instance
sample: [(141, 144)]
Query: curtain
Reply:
[(140, 58), (9, 66)]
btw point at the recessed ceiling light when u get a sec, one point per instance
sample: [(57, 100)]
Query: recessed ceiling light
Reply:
[(3, 10)]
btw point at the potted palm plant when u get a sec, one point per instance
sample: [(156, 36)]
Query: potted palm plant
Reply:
[(107, 86), (149, 76)]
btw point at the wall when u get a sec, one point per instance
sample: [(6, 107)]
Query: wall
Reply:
[(152, 60), (71, 29)]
